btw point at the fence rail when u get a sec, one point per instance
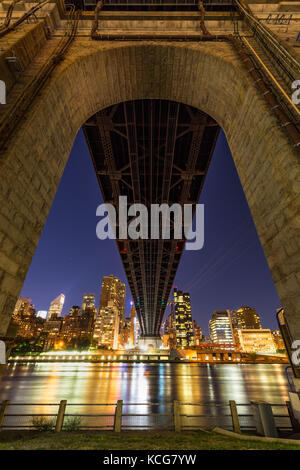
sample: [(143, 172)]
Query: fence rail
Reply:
[(177, 416)]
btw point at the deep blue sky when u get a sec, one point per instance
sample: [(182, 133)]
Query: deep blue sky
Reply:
[(230, 271)]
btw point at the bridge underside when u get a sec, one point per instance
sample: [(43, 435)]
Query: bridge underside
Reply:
[(151, 151)]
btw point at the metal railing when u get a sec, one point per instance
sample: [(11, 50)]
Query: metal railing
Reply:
[(177, 416), (290, 65), (162, 5)]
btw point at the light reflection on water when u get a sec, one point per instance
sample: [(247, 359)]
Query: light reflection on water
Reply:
[(141, 383)]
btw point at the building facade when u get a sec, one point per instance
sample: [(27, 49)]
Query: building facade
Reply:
[(278, 340), (24, 316), (52, 331), (88, 305), (197, 333), (257, 341), (113, 291), (220, 328), (183, 320), (245, 318), (111, 314), (70, 325), (107, 327), (56, 307), (169, 336)]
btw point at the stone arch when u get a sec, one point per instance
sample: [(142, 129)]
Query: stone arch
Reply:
[(95, 75)]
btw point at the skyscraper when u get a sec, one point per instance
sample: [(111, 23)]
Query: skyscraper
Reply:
[(42, 314), (29, 326), (88, 308), (183, 320), (125, 334), (169, 336), (111, 312), (88, 302), (23, 308), (113, 291), (197, 333), (245, 318), (56, 307), (70, 324), (220, 328), (106, 330)]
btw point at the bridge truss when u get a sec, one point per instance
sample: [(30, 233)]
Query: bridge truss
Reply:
[(151, 151)]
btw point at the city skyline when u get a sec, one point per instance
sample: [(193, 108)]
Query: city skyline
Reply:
[(239, 318), (239, 331), (85, 260)]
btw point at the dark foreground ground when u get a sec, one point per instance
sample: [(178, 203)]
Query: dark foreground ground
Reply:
[(33, 440)]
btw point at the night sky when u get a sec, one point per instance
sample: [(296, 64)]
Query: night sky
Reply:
[(230, 271)]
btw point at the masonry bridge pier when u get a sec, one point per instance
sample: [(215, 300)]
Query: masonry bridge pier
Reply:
[(151, 83)]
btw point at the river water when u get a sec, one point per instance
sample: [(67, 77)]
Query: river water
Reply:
[(84, 384)]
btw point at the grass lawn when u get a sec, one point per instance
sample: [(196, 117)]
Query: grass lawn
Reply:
[(129, 440)]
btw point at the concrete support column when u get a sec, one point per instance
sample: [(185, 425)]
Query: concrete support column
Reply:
[(264, 419)]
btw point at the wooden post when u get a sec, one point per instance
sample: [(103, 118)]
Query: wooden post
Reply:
[(60, 416), (118, 416), (177, 419), (234, 416), (3, 410)]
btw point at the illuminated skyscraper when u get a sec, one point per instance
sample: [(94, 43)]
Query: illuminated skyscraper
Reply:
[(88, 308), (113, 293), (197, 333), (29, 326), (245, 318), (183, 320), (106, 330), (23, 308), (56, 307), (169, 334), (111, 312), (42, 314), (88, 302), (221, 328), (70, 324)]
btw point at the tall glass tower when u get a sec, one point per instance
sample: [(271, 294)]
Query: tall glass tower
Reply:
[(56, 307), (183, 320), (221, 328)]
